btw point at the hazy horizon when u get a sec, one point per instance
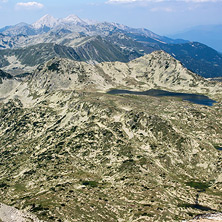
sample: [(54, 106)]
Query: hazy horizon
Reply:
[(160, 16)]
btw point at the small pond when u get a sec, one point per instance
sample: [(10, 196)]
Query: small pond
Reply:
[(194, 98)]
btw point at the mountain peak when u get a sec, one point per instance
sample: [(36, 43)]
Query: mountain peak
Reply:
[(46, 20), (73, 19), (72, 16)]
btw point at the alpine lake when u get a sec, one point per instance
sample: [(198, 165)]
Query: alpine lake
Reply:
[(194, 98)]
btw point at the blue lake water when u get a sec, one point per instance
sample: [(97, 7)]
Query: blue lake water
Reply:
[(194, 98)]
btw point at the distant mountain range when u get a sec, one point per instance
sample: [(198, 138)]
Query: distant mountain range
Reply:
[(25, 46), (74, 24), (207, 34)]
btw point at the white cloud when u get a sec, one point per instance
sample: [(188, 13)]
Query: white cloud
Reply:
[(163, 9), (29, 5)]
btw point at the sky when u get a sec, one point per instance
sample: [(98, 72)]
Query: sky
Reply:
[(160, 16)]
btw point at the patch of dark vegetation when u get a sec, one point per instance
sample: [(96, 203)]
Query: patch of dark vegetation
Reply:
[(38, 207), (22, 75), (90, 183), (198, 185), (30, 172), (54, 66), (3, 185), (128, 161), (190, 214), (5, 75)]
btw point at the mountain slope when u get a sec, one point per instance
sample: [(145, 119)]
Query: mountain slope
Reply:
[(209, 35), (197, 57), (75, 24), (8, 84), (115, 47), (156, 70), (19, 29), (46, 21), (90, 49), (23, 60)]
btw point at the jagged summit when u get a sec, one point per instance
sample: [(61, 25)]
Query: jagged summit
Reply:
[(74, 19), (51, 22), (46, 20)]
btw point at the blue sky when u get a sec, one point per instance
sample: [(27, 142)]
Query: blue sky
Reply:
[(160, 16)]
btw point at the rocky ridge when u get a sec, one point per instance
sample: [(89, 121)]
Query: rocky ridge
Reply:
[(154, 70), (89, 49)]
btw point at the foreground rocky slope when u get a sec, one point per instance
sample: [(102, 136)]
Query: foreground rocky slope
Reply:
[(71, 152), (98, 157)]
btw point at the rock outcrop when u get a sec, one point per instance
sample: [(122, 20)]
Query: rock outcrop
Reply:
[(207, 218), (11, 214)]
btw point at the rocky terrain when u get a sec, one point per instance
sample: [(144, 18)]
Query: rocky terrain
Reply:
[(208, 218), (11, 214), (71, 152)]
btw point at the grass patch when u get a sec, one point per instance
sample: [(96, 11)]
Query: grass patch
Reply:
[(198, 185), (20, 187)]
